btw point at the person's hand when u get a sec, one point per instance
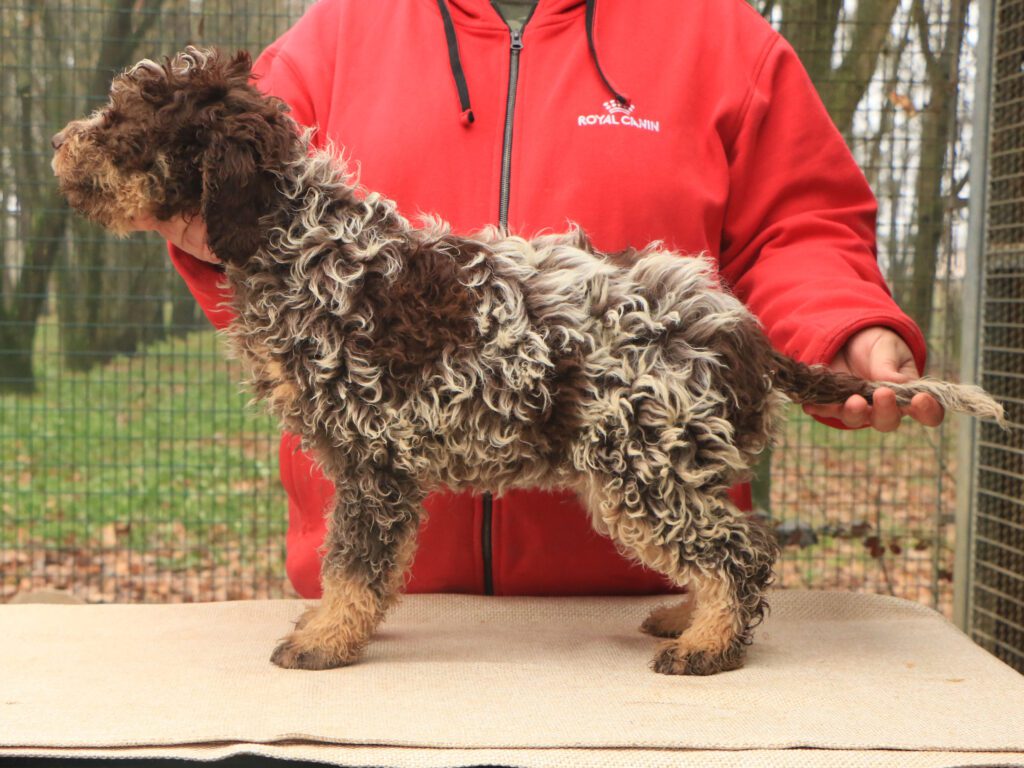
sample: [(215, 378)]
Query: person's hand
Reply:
[(187, 234), (879, 354)]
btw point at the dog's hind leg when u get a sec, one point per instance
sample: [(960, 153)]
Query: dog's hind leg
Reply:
[(716, 639), (727, 570), (670, 620), (723, 557), (370, 543)]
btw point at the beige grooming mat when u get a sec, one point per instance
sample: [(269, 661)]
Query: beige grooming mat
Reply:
[(833, 679)]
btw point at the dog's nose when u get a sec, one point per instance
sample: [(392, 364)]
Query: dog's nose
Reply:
[(58, 139)]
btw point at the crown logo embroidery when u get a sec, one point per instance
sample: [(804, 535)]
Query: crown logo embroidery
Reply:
[(613, 107)]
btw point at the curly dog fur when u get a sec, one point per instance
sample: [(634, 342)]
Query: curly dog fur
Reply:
[(410, 358)]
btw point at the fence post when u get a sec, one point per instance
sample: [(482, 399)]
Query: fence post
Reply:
[(972, 304)]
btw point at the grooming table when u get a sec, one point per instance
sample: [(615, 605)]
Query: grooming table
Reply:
[(833, 679)]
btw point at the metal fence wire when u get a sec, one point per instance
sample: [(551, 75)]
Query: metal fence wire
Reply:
[(130, 468), (997, 583)]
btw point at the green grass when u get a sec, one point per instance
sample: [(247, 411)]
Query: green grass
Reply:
[(151, 448)]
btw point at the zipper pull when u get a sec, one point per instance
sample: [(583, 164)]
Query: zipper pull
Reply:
[(517, 41)]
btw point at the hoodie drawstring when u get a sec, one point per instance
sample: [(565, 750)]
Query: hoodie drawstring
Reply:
[(455, 60), (621, 98)]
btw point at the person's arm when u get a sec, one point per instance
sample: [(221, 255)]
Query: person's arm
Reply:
[(799, 243)]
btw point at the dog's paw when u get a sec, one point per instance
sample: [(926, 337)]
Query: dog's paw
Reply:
[(656, 628), (674, 659), (297, 652), (666, 622), (669, 620)]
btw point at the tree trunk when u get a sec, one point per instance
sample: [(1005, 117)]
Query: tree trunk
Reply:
[(106, 307), (937, 123), (871, 25), (110, 296), (810, 27), (42, 216)]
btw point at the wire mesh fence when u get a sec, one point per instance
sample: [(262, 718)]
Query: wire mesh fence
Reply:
[(997, 583), (130, 468)]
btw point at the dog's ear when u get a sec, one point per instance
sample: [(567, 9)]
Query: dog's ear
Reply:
[(244, 158), (234, 197)]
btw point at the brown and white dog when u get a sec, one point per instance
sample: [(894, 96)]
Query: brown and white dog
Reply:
[(411, 358)]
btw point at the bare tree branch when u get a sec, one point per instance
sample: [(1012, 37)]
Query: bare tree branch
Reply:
[(938, 122), (871, 26)]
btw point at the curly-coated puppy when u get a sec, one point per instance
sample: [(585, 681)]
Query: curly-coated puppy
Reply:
[(412, 358)]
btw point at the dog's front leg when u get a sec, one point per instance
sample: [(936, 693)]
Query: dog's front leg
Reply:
[(370, 542)]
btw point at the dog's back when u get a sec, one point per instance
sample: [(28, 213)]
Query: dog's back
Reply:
[(680, 301)]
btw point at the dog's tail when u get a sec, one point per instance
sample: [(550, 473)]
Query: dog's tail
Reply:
[(817, 385)]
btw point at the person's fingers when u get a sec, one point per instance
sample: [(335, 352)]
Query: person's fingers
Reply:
[(188, 234), (205, 254), (908, 369), (840, 364), (855, 412), (195, 238), (879, 354), (143, 223), (183, 232), (824, 411), (885, 414), (888, 362), (926, 410), (170, 229)]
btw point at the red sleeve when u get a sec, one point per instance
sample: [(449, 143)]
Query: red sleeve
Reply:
[(799, 234), (275, 73), (206, 282)]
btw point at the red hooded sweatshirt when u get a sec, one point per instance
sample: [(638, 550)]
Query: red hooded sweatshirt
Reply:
[(691, 122)]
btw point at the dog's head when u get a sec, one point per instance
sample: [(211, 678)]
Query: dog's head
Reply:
[(187, 137)]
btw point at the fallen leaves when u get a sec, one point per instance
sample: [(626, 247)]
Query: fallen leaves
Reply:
[(110, 572)]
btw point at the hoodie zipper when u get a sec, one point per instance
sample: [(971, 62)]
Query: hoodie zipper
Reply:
[(485, 542), (510, 110), (516, 47)]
